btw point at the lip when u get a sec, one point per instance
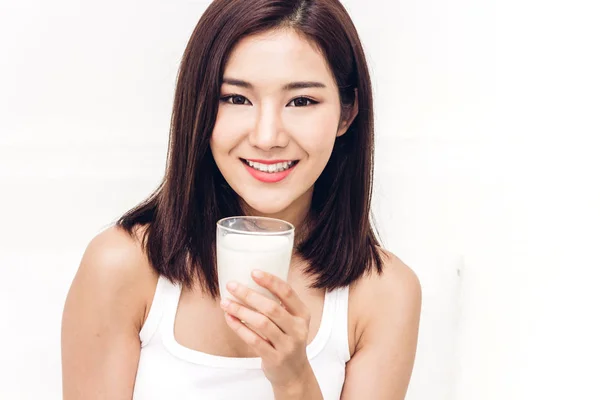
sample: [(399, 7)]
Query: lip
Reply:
[(268, 177)]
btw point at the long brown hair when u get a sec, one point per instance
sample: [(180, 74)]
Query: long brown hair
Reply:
[(182, 212)]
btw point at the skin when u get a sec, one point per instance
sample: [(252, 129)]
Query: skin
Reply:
[(113, 289)]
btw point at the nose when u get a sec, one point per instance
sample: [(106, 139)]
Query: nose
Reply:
[(268, 132)]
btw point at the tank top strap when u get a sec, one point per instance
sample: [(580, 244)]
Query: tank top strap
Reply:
[(163, 297), (339, 334)]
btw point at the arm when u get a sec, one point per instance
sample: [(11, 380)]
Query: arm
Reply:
[(103, 313), (306, 388), (390, 307)]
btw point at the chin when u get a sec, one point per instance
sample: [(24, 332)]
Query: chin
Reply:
[(265, 206)]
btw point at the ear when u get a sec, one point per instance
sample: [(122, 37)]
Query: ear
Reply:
[(348, 115)]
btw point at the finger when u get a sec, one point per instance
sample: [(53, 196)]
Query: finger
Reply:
[(268, 307), (258, 322), (251, 338), (283, 291)]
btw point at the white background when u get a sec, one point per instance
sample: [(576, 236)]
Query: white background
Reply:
[(486, 177)]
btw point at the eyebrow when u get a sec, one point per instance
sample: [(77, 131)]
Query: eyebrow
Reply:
[(286, 87)]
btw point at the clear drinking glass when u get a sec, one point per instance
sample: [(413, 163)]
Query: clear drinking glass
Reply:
[(247, 243)]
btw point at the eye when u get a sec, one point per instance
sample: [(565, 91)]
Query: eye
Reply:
[(235, 99), (302, 102)]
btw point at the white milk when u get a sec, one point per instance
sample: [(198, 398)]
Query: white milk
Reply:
[(238, 255)]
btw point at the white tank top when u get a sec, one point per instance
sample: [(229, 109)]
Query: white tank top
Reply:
[(167, 370)]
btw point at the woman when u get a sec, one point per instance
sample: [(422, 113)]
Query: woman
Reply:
[(272, 117)]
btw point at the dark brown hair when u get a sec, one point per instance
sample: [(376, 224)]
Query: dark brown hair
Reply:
[(182, 213)]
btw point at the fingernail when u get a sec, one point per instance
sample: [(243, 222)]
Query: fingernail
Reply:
[(232, 285), (258, 273), (225, 303)]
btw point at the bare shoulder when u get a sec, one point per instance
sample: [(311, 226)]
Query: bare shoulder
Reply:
[(397, 282), (114, 247), (118, 257), (115, 268), (391, 298)]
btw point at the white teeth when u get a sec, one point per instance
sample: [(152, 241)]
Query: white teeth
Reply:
[(270, 168)]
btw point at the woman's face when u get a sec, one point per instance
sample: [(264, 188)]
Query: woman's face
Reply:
[(277, 121)]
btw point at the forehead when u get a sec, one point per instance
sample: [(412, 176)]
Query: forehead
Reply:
[(277, 56)]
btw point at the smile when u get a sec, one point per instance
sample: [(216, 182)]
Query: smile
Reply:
[(271, 167), (269, 171)]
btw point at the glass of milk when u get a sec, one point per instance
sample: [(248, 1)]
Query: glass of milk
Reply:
[(247, 243)]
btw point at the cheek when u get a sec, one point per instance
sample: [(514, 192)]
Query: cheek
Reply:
[(226, 133), (316, 135)]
